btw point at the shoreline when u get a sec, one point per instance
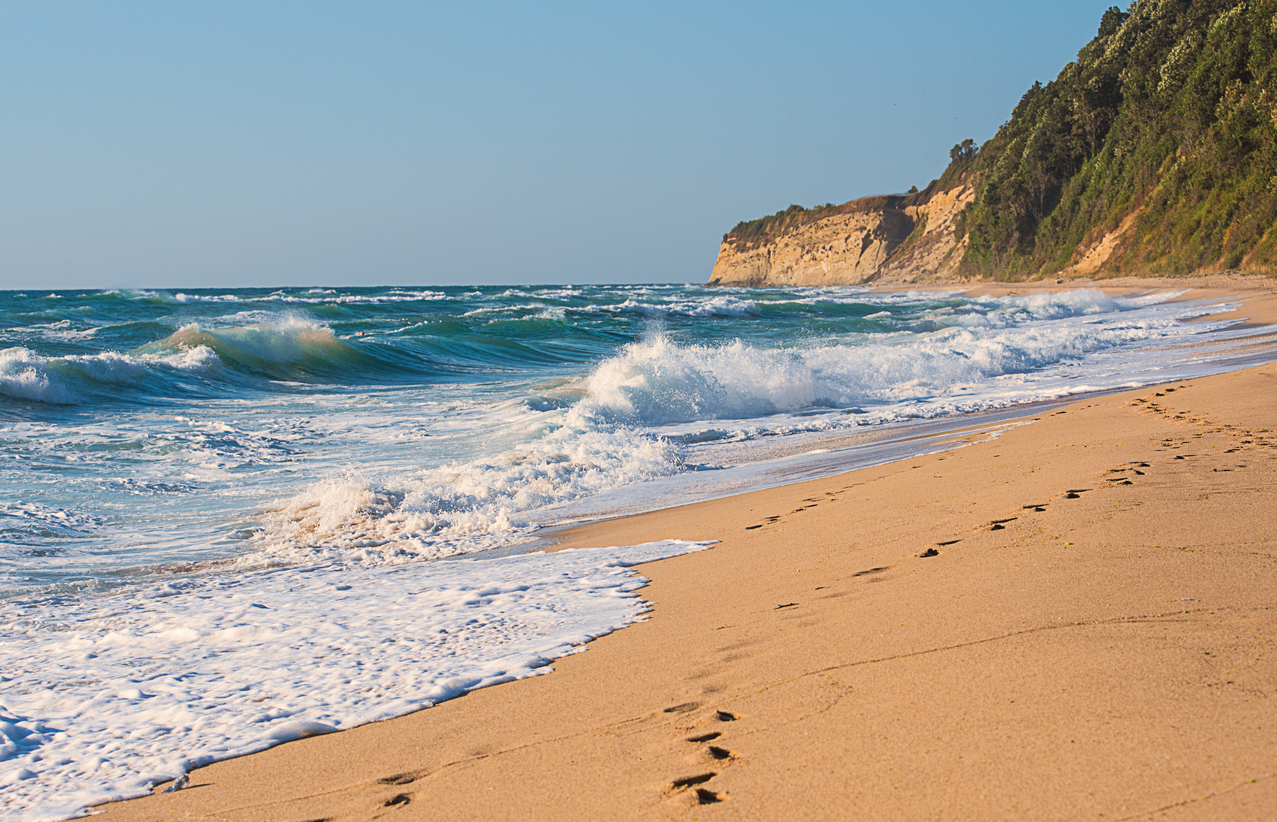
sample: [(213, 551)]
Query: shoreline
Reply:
[(819, 663)]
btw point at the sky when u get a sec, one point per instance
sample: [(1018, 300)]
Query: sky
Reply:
[(235, 144)]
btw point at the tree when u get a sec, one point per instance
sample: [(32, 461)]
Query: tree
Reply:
[(966, 150), (1112, 21)]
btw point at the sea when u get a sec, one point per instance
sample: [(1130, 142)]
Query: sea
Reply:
[(230, 518)]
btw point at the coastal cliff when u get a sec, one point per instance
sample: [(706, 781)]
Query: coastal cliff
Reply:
[(899, 236), (1153, 153)]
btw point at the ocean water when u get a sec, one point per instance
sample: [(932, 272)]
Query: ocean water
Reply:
[(230, 518)]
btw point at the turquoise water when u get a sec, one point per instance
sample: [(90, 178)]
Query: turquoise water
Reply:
[(147, 430)]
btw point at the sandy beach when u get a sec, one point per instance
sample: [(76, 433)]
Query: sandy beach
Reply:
[(1073, 619)]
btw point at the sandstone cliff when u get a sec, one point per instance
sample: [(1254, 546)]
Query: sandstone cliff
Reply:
[(898, 237), (1153, 153)]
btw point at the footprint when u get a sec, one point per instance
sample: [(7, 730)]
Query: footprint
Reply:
[(930, 552), (1076, 493), (709, 737), (398, 779), (397, 799), (877, 570), (705, 796), (949, 542), (724, 716), (682, 708), (719, 753), (1000, 524), (689, 781), (1038, 508)]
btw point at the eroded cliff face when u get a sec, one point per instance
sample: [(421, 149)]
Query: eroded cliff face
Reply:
[(867, 240)]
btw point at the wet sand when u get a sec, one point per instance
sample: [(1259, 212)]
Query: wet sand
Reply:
[(1074, 620)]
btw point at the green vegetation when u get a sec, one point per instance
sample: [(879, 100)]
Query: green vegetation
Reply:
[(1168, 120), (773, 224), (754, 233)]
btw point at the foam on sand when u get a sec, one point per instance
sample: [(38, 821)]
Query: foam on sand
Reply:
[(117, 694)]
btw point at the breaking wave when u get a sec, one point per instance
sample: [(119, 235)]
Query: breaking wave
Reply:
[(25, 375), (658, 381), (460, 507)]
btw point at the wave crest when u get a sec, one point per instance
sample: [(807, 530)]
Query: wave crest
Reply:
[(287, 349), (24, 375), (659, 382)]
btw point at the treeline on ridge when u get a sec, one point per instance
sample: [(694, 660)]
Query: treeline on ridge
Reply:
[(1168, 118)]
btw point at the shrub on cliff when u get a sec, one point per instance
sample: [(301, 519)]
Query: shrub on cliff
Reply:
[(752, 233)]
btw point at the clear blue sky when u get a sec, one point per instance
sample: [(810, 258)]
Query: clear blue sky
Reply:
[(286, 143)]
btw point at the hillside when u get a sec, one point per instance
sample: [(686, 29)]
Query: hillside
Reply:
[(1155, 152)]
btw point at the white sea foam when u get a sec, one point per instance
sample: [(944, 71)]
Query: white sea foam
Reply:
[(460, 507), (716, 306), (60, 330), (394, 296), (24, 375), (504, 309), (658, 382), (107, 366), (44, 518), (106, 696), (29, 376), (205, 298)]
